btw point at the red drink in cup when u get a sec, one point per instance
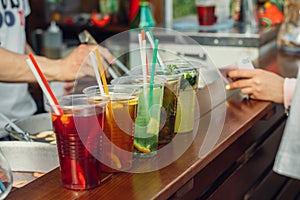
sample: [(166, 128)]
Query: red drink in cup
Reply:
[(79, 132), (206, 15), (206, 12)]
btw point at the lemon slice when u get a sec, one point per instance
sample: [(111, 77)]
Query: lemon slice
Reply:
[(153, 126), (141, 149)]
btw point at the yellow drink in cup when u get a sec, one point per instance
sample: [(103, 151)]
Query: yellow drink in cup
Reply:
[(121, 112), (186, 100)]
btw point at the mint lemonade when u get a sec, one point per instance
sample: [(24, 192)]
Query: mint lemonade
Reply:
[(148, 115), (147, 121)]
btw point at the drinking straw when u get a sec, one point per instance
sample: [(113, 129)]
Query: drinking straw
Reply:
[(142, 57), (143, 68), (112, 73), (144, 48), (96, 70), (44, 84), (121, 66), (150, 38), (2, 187), (153, 72), (101, 69), (143, 61)]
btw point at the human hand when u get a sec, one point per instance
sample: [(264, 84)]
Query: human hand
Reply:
[(258, 84), (70, 65)]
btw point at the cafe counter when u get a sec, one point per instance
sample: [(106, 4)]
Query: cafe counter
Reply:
[(235, 163)]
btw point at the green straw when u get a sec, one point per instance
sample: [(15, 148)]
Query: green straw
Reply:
[(152, 73), (2, 187), (151, 39)]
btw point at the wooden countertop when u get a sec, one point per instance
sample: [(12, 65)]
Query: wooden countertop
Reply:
[(240, 115)]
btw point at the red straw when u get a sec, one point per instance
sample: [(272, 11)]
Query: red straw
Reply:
[(44, 84)]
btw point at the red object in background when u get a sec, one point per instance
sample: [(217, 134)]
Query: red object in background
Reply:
[(206, 15), (271, 14), (100, 22), (133, 8)]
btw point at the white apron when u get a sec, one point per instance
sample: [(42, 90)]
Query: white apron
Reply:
[(287, 160)]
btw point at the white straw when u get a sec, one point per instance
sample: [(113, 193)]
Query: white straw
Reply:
[(143, 59), (43, 87), (97, 73), (152, 45), (121, 66), (112, 73)]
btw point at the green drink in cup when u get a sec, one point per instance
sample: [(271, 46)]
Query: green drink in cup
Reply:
[(169, 105), (148, 116)]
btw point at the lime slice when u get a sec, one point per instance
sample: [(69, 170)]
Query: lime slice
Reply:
[(153, 126)]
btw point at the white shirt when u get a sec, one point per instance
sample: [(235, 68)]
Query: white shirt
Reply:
[(288, 91), (16, 101), (287, 160)]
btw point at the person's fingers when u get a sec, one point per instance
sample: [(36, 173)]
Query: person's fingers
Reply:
[(242, 83), (247, 90), (243, 73), (251, 93)]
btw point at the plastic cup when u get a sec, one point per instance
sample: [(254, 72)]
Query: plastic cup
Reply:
[(169, 105), (206, 12), (184, 122), (169, 110), (148, 116), (78, 133), (121, 112)]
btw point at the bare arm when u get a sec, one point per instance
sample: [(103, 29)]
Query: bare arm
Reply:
[(28, 49), (15, 69)]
